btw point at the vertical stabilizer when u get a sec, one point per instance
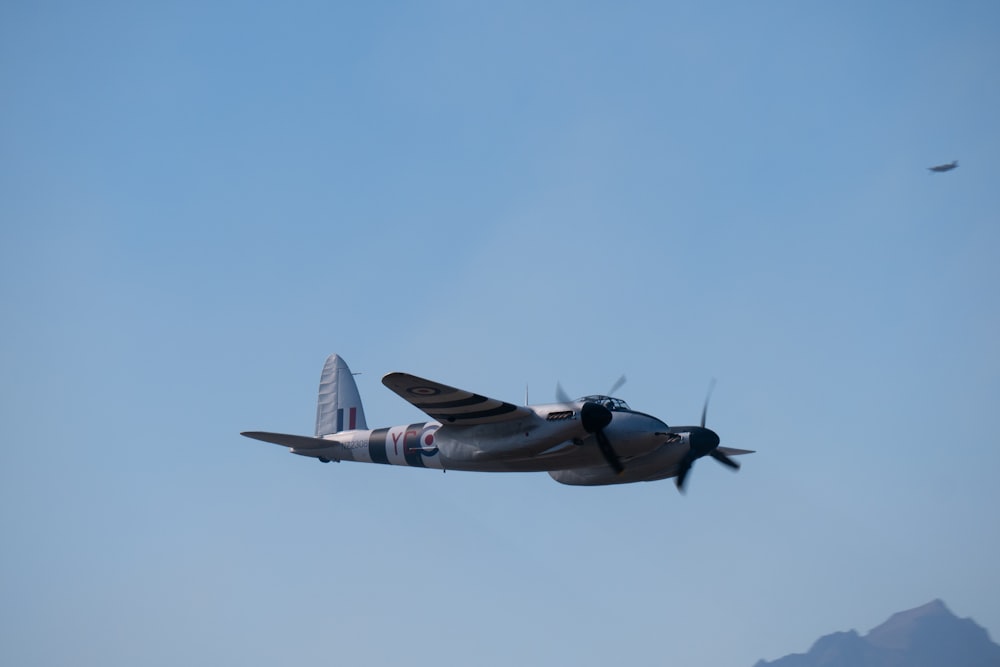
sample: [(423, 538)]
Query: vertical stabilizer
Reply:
[(339, 407)]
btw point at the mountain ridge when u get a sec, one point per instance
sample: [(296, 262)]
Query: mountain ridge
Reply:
[(926, 636)]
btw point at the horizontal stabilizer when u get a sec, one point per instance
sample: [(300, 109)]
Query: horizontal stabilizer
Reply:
[(302, 442)]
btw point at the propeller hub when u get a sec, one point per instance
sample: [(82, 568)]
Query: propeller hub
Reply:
[(594, 417), (702, 441)]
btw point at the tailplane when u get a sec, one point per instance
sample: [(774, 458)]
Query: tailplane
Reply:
[(339, 408)]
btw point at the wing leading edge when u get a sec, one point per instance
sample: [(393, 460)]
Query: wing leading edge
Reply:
[(449, 405)]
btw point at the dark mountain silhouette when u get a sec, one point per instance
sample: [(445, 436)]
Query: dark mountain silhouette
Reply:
[(928, 636)]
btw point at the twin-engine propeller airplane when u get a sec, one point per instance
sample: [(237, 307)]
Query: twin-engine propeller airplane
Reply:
[(591, 441)]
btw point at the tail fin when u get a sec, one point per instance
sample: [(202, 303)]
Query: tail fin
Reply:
[(339, 408)]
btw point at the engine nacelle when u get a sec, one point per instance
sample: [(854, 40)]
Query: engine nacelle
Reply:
[(658, 464)]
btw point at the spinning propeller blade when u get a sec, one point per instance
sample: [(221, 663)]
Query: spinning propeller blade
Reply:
[(617, 385), (609, 453), (704, 410), (563, 397), (685, 464), (724, 460)]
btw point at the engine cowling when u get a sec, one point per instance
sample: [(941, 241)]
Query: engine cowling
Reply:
[(661, 463)]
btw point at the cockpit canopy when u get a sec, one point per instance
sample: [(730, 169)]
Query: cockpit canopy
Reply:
[(611, 403)]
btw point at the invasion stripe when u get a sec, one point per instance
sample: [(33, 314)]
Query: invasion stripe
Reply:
[(376, 446), (412, 445), (475, 399), (461, 416)]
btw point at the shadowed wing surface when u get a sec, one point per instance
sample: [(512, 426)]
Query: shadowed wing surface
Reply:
[(302, 442), (449, 405)]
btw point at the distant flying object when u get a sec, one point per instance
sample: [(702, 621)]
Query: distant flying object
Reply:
[(944, 167), (591, 441)]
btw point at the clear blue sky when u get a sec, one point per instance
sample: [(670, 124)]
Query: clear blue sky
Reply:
[(200, 201)]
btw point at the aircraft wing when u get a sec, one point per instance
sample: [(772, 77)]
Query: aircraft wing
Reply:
[(449, 405)]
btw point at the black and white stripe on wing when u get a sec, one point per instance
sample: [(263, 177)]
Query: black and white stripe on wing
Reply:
[(474, 407), (449, 405)]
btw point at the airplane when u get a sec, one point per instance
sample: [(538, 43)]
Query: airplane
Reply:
[(592, 441), (944, 167)]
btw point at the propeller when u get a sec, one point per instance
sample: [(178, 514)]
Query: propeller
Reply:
[(563, 397), (617, 385), (702, 441), (594, 418)]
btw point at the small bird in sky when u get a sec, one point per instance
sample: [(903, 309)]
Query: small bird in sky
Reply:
[(943, 167)]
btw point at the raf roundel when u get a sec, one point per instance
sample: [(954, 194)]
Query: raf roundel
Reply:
[(427, 447), (424, 391)]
